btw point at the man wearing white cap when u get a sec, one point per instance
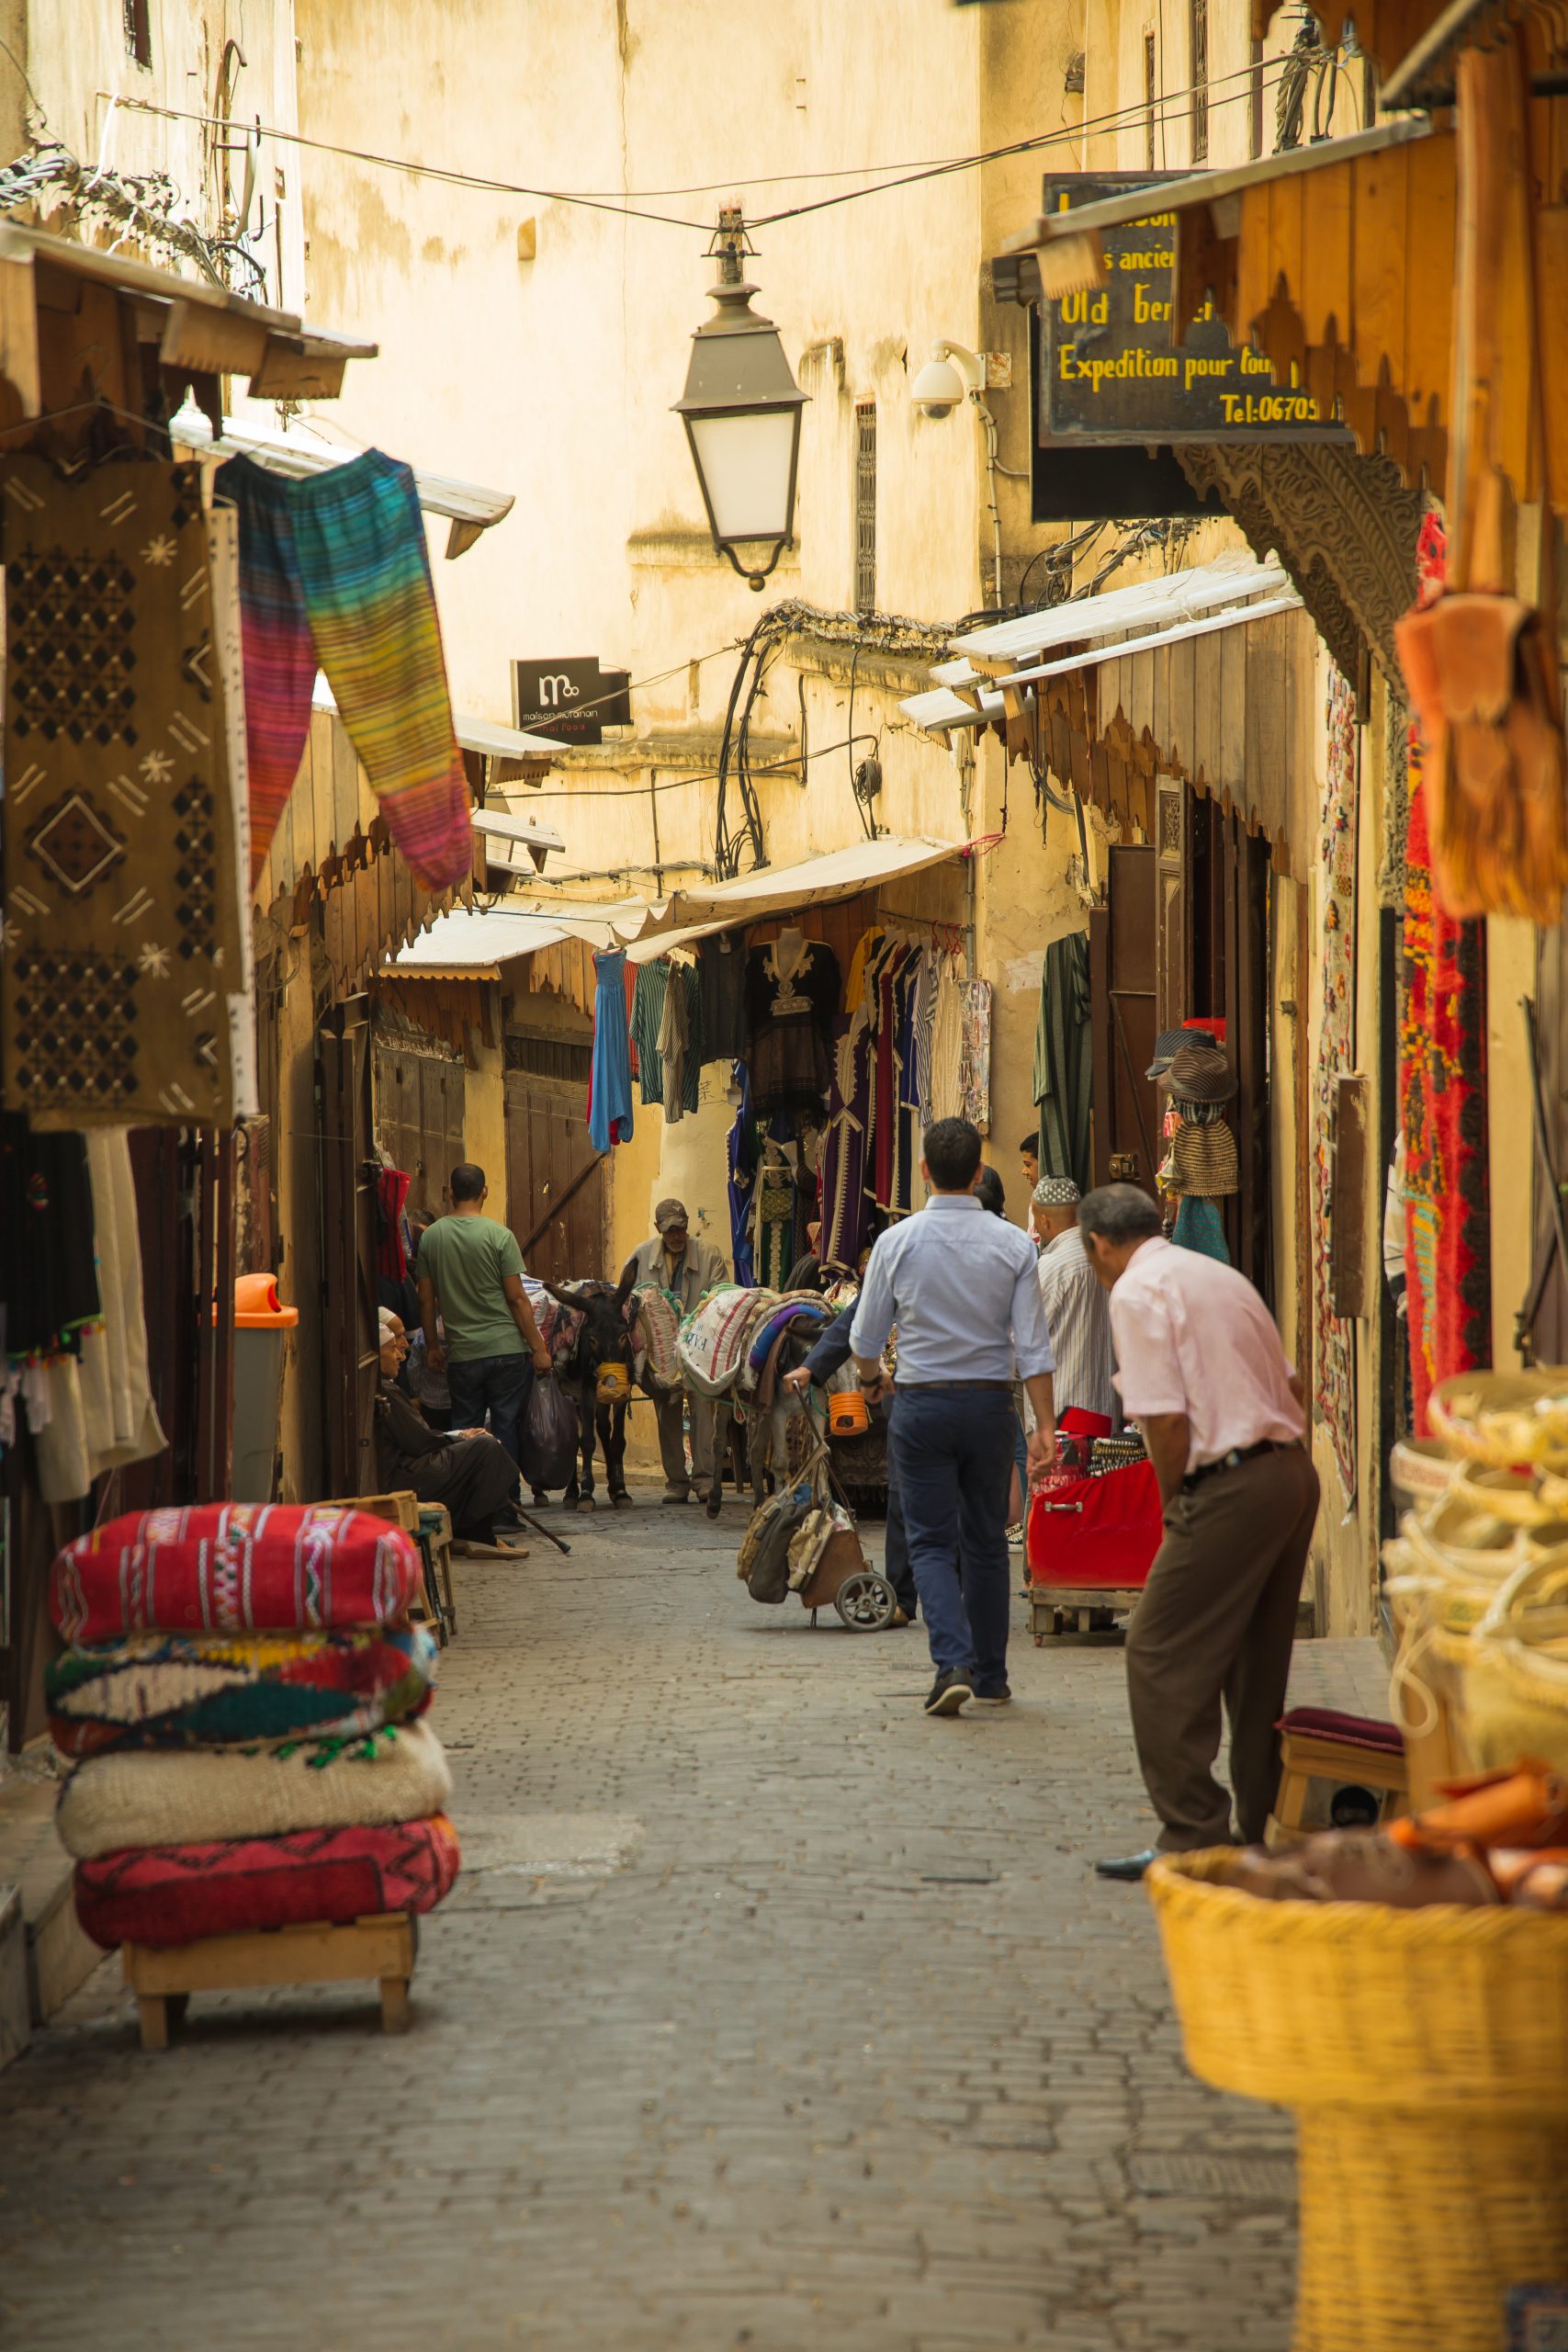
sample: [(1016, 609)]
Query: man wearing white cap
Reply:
[(1078, 1312), (683, 1270)]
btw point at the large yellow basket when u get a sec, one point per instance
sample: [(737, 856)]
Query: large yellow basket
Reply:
[(1426, 2055)]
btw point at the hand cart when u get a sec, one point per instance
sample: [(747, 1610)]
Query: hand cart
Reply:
[(1089, 1544)]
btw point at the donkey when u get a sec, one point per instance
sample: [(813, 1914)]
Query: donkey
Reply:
[(605, 1346)]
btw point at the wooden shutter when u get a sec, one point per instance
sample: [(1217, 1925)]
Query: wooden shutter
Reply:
[(865, 506)]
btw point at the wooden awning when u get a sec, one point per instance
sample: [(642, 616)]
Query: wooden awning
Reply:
[(76, 321), (1338, 264)]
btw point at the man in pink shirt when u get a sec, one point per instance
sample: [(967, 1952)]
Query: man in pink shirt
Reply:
[(1202, 1373)]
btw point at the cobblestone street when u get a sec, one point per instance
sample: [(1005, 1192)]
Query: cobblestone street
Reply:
[(766, 2013)]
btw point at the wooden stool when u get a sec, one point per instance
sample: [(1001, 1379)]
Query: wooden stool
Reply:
[(1316, 1744), (164, 1978)]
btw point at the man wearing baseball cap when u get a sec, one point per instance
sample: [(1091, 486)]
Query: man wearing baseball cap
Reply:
[(682, 1269)]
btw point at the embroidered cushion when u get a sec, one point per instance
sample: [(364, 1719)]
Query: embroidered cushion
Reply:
[(149, 1797), (175, 1894), (229, 1689), (230, 1567)]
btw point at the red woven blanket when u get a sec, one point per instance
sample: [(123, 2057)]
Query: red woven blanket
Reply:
[(233, 1567), (176, 1894)]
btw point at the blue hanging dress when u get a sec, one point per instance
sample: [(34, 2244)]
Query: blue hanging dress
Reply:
[(610, 1076)]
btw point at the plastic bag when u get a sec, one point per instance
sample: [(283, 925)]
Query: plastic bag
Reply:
[(549, 1436)]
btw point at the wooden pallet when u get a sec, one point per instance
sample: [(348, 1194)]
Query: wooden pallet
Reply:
[(163, 1979), (1058, 1610)]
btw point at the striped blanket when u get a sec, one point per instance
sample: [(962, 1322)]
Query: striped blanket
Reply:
[(176, 1894), (230, 1568), (791, 1308), (152, 1797), (230, 1690)]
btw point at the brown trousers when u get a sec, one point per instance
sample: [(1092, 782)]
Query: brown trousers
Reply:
[(1215, 1623), (669, 1408)]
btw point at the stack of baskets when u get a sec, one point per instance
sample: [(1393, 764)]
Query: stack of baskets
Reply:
[(239, 1698), (1478, 1580)]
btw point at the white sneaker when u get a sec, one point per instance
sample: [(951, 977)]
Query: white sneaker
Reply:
[(1015, 1536)]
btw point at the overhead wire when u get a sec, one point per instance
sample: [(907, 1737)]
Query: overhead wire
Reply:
[(627, 206)]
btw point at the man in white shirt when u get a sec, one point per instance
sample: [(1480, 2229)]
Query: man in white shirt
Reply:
[(1203, 1374), (960, 1287), (1076, 1314)]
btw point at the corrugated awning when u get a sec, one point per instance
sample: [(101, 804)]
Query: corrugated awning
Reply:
[(470, 509), (1177, 597), (200, 328), (472, 938)]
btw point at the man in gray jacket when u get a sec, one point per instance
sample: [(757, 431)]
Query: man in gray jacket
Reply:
[(683, 1270)]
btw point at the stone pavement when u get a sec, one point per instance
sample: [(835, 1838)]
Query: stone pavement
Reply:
[(767, 2013)]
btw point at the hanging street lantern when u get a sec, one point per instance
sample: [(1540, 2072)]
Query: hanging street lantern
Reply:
[(741, 410)]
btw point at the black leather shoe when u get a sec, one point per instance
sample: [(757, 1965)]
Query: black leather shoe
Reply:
[(949, 1693), (1128, 1868)]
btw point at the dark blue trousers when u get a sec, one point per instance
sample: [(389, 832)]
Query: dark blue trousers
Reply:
[(500, 1384), (952, 1452)]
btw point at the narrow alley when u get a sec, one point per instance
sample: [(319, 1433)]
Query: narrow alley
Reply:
[(766, 2012)]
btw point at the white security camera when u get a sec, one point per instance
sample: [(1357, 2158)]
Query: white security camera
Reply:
[(945, 381)]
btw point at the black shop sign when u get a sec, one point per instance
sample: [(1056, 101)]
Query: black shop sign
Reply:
[(572, 701), (1110, 371)]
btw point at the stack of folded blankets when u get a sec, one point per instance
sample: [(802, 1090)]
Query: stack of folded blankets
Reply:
[(242, 1699)]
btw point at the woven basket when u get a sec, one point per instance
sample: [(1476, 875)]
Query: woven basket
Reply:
[(1426, 2055), (1514, 1682), (1505, 1416)]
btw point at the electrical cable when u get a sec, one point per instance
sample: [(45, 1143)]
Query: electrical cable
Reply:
[(626, 208)]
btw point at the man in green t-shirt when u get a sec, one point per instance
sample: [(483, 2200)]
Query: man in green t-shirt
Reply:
[(470, 1272)]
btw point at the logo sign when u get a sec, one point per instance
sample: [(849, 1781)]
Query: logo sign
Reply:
[(1111, 371), (571, 701)]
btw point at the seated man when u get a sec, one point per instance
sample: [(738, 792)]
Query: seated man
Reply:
[(466, 1470)]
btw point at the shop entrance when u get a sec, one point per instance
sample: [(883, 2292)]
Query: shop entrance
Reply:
[(555, 1179), (1122, 981)]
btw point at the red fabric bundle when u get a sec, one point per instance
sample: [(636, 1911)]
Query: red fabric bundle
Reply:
[(176, 1894), (1102, 1530), (233, 1567)]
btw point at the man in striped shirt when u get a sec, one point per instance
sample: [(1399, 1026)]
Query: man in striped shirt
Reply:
[(1077, 1311)]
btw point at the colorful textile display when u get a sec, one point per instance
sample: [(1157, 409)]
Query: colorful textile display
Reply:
[(1200, 1225), (392, 1249), (649, 1005), (1203, 1160), (1062, 1078), (338, 563), (154, 1797), (122, 935), (1333, 1339), (120, 1421), (1442, 1091), (610, 1075), (947, 1045), (176, 1894), (233, 1567), (792, 994), (974, 1075), (775, 1218), (741, 1156), (1442, 1073), (845, 1206), (216, 1690)]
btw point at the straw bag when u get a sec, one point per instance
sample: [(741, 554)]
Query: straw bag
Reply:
[(1514, 1683)]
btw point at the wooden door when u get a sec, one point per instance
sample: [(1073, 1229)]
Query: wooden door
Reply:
[(1124, 995), (555, 1179), (349, 1174), (421, 1104)]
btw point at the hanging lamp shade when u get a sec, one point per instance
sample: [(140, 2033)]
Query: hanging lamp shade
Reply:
[(741, 410)]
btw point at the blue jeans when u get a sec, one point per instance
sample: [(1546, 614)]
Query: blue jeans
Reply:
[(503, 1385), (952, 1449)]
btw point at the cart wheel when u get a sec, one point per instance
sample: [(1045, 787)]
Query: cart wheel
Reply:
[(866, 1602)]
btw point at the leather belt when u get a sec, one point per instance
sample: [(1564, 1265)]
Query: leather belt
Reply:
[(993, 1387), (1234, 1458)]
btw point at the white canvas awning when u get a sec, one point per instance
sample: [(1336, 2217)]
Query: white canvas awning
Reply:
[(468, 939), (1085, 620)]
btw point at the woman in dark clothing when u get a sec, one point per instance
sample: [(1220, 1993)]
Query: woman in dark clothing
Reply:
[(466, 1470)]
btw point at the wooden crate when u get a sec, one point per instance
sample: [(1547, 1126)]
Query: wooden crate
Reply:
[(164, 1978)]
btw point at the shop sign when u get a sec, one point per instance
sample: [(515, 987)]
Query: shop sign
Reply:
[(571, 701), (1110, 372)]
